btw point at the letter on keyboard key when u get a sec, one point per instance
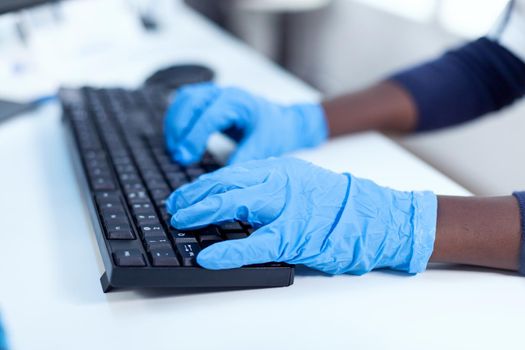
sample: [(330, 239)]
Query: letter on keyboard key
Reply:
[(188, 253), (131, 257)]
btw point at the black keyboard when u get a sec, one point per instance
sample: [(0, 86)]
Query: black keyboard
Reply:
[(126, 175)]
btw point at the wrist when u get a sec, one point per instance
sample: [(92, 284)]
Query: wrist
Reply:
[(520, 197), (424, 222), (385, 106), (482, 231)]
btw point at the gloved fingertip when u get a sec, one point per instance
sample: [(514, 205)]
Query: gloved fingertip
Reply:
[(171, 203), (206, 259), (179, 220), (214, 258)]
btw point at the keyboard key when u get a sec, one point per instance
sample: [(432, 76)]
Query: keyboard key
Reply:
[(176, 180), (145, 223), (231, 226), (107, 197), (182, 237), (98, 162), (102, 183), (137, 197), (209, 233), (125, 160), (169, 167), (151, 230), (164, 257), (142, 208), (118, 226), (111, 206), (131, 177), (124, 234), (150, 219), (133, 186), (124, 168), (160, 194), (208, 236), (194, 171), (160, 241), (114, 210), (114, 217), (130, 257), (188, 252), (153, 184), (235, 235), (106, 203)]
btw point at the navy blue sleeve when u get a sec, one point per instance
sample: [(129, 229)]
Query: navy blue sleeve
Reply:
[(463, 84)]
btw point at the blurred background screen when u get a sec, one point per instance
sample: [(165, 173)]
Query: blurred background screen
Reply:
[(14, 5)]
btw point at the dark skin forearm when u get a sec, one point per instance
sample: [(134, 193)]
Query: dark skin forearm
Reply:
[(385, 106), (470, 230), (478, 231)]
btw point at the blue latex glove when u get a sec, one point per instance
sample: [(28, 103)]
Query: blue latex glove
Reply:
[(3, 341), (261, 128), (308, 215)]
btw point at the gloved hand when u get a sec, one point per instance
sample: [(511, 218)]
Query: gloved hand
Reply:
[(3, 341), (307, 215), (261, 128)]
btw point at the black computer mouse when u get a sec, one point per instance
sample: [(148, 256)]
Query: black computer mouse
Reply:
[(173, 77)]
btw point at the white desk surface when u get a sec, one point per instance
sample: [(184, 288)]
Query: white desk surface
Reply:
[(50, 294)]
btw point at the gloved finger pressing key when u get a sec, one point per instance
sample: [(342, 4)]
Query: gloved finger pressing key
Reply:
[(261, 128), (308, 215)]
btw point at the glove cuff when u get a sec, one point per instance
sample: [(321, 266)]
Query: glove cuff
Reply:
[(313, 126), (382, 228), (424, 230)]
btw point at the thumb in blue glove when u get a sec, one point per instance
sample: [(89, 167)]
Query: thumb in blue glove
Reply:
[(307, 215), (261, 128)]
